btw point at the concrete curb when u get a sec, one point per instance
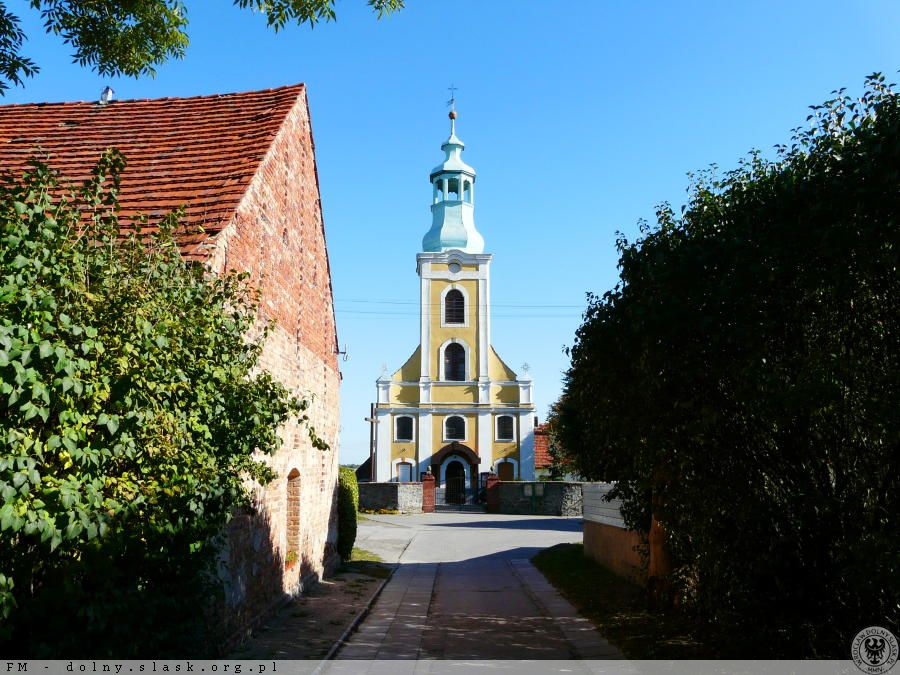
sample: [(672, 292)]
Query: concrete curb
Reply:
[(358, 619)]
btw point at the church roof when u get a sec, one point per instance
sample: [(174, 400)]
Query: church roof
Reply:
[(200, 152)]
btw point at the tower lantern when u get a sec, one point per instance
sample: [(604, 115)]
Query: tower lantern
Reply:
[(453, 201)]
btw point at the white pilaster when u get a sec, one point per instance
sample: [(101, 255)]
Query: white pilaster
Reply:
[(482, 329), (526, 446), (425, 322), (485, 441), (423, 444), (384, 433)]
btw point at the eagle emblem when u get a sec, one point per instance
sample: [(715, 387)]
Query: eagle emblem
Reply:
[(874, 647)]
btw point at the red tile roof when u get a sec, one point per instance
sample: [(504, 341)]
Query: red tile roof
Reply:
[(199, 152), (542, 458)]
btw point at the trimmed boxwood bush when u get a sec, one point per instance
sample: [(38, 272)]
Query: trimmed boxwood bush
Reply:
[(348, 506)]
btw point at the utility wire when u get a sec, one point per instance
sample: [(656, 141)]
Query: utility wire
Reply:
[(437, 304)]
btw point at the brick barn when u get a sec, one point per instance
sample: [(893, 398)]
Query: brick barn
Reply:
[(243, 167)]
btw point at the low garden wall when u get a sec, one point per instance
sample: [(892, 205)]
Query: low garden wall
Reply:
[(402, 497), (606, 539), (538, 498)]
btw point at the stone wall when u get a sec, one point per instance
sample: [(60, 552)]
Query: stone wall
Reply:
[(403, 497), (550, 498), (277, 236)]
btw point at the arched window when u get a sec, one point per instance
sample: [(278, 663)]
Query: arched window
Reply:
[(455, 429), (505, 428), (453, 190), (404, 429), (454, 307), (455, 362), (438, 191), (467, 191)]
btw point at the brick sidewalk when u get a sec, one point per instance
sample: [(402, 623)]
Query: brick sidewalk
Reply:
[(492, 608)]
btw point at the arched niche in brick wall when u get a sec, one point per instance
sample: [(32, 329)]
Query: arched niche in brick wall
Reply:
[(293, 512)]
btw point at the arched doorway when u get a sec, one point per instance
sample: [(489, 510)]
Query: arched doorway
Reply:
[(455, 483), (455, 466)]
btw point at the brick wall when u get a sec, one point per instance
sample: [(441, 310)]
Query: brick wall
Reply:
[(277, 236)]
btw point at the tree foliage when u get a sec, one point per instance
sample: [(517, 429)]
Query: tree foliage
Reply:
[(133, 37), (134, 418), (746, 373)]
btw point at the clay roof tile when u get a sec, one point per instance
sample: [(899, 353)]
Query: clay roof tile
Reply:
[(199, 152)]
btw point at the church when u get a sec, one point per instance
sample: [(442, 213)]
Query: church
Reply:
[(454, 409)]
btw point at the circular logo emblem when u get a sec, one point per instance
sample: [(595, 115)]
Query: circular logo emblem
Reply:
[(874, 650)]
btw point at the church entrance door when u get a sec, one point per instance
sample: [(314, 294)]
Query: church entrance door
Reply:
[(455, 483)]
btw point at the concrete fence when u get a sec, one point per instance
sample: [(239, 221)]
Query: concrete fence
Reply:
[(625, 552), (606, 538)]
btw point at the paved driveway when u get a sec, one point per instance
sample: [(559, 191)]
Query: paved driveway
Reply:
[(464, 589)]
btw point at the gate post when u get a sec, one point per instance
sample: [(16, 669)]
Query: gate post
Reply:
[(428, 492), (492, 488)]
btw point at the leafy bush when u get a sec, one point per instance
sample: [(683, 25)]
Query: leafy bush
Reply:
[(348, 509), (132, 410), (744, 372)]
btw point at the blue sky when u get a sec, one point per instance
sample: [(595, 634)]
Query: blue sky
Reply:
[(579, 118)]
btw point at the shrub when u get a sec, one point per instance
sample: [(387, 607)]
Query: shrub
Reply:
[(132, 410), (744, 374), (348, 509)]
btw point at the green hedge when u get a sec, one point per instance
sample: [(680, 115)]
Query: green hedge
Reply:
[(744, 372), (348, 506)]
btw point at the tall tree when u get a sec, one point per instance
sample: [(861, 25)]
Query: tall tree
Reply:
[(133, 37)]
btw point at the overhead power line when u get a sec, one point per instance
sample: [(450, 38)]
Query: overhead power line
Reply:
[(432, 304)]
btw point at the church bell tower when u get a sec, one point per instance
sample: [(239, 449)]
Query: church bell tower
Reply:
[(454, 408)]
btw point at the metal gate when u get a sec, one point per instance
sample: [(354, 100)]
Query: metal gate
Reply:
[(455, 494)]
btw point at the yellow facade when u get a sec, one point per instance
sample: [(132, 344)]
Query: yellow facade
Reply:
[(471, 440), (467, 332)]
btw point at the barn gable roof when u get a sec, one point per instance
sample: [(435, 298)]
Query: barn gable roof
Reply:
[(198, 152)]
